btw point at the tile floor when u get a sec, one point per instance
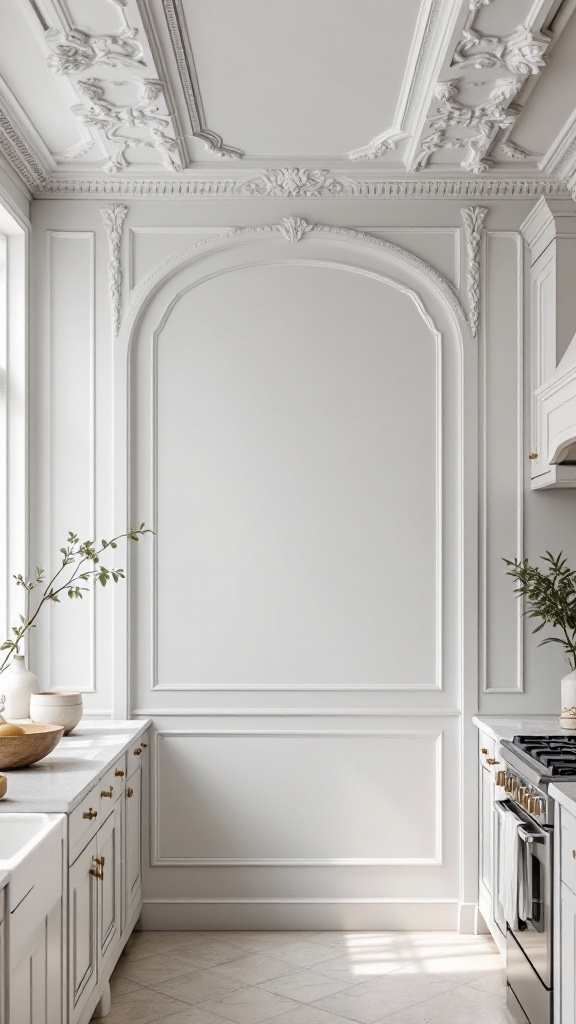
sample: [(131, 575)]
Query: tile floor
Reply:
[(309, 978)]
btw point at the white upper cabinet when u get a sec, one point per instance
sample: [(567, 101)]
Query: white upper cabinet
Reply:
[(550, 231)]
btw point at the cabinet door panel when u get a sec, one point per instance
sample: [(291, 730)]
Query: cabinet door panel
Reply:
[(567, 955), (109, 841), (83, 942), (36, 980), (133, 871)]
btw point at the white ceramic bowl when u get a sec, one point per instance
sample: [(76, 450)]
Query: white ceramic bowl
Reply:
[(57, 707)]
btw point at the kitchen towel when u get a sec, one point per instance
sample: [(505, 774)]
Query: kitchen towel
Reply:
[(508, 863)]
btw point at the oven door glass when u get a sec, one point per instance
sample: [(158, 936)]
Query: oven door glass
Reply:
[(534, 933)]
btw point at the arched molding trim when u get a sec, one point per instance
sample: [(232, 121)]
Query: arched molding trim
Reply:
[(292, 230)]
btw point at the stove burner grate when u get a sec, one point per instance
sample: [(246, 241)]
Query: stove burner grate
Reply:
[(557, 754)]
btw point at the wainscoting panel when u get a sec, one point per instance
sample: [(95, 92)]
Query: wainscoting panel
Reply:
[(327, 791)]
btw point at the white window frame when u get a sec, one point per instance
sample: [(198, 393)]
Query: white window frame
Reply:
[(13, 415)]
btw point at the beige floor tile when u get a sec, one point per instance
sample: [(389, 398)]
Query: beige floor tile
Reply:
[(250, 1006), (262, 941), (198, 986), (144, 944), (309, 1015), (151, 970), (254, 969), (461, 1005), (142, 1007), (356, 970), (305, 986), (120, 986), (304, 954), (207, 954), (192, 1015), (372, 1000), (495, 982)]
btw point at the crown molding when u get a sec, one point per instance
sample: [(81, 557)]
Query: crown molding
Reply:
[(560, 159), (298, 183)]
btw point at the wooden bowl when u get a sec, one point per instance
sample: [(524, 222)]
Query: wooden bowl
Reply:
[(36, 743)]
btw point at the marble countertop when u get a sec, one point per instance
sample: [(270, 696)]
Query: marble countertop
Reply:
[(565, 794), (59, 782), (504, 727)]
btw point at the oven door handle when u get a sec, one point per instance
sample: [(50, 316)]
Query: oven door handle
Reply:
[(526, 837), (530, 837)]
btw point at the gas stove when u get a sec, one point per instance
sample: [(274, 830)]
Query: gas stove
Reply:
[(542, 758)]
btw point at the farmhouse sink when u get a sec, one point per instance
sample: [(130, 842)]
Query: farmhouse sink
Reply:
[(25, 840)]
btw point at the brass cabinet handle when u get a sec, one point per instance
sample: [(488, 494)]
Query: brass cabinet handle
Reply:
[(99, 860), (106, 792), (90, 814), (492, 760), (533, 455), (119, 773), (484, 750), (574, 853), (129, 792), (97, 874), (138, 751), (143, 744)]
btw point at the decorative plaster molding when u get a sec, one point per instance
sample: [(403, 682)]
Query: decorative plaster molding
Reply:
[(298, 227), (76, 51), (560, 159), (176, 21), (473, 218), (485, 119), (113, 216), (387, 140), (113, 121), (294, 228), (75, 152), (367, 188), (520, 53), (19, 156), (295, 182), (513, 151)]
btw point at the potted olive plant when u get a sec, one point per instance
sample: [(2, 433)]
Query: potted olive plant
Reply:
[(80, 564), (550, 599)]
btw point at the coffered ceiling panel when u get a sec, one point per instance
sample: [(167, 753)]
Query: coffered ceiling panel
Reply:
[(296, 99), (298, 80)]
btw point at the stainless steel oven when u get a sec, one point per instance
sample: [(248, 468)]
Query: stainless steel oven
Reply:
[(529, 941)]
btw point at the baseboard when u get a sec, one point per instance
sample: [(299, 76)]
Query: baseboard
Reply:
[(299, 915), (467, 918)]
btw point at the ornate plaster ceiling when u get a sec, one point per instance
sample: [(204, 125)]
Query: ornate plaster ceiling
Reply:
[(261, 97)]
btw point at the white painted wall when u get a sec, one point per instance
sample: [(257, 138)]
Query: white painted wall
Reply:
[(334, 468)]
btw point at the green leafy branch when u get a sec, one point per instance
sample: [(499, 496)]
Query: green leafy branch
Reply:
[(550, 597), (82, 560)]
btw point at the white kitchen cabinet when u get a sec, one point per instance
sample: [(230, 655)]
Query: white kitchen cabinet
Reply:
[(36, 980), (109, 890), (82, 931), (567, 929), (550, 231), (133, 844), (489, 766)]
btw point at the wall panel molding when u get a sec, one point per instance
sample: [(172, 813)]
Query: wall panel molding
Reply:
[(163, 735)]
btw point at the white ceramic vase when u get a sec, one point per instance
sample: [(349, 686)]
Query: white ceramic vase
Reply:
[(568, 701), (17, 683), (57, 707)]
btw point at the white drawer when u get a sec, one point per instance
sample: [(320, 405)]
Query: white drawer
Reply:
[(568, 849), (83, 823), (137, 753), (111, 786)]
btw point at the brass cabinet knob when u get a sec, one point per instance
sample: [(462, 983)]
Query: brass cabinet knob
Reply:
[(119, 773), (143, 744), (492, 760), (90, 814), (501, 778), (574, 853), (129, 792), (533, 455), (138, 751), (484, 750), (106, 792), (99, 860), (97, 874)]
